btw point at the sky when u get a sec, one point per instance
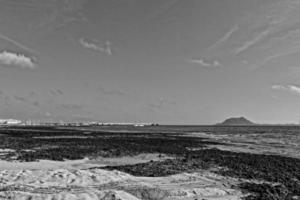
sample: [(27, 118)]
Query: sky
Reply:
[(162, 61)]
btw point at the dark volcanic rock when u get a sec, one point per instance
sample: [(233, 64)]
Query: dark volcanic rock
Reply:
[(279, 176)]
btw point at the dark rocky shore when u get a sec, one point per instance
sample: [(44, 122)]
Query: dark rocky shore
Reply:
[(278, 176)]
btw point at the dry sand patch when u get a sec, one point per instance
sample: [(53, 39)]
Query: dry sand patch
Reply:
[(108, 185)]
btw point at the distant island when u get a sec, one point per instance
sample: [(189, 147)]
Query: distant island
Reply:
[(236, 121)]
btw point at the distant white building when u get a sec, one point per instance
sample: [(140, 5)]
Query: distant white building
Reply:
[(10, 122)]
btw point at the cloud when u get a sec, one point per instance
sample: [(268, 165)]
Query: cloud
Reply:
[(224, 39), (265, 33), (205, 62), (95, 47), (281, 54), (18, 44), (294, 89), (60, 13), (9, 59), (252, 42)]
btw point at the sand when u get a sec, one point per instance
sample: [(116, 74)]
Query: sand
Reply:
[(75, 180), (83, 163), (95, 184)]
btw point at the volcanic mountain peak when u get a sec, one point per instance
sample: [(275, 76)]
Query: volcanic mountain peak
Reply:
[(242, 121)]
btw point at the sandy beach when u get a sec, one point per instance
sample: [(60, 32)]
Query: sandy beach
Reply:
[(95, 184)]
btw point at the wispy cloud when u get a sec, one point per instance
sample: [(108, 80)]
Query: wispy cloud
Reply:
[(61, 13), (281, 54), (10, 59), (205, 62), (265, 33), (252, 42), (294, 89), (224, 39), (106, 48), (18, 44)]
